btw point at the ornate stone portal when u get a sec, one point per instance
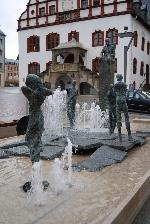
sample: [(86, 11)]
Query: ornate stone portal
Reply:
[(106, 72)]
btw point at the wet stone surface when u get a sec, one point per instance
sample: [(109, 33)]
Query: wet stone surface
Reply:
[(144, 134), (107, 148), (125, 145), (49, 152), (103, 156)]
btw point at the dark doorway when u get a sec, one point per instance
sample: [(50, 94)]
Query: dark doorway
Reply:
[(69, 58)]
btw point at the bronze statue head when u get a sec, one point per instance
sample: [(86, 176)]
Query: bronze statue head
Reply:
[(33, 81), (119, 77)]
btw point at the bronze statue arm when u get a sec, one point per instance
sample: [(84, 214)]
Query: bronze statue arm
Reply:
[(46, 91)]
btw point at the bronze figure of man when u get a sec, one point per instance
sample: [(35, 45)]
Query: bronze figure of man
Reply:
[(36, 93), (121, 105), (111, 98), (72, 94)]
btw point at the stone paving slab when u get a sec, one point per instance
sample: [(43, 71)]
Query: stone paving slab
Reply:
[(18, 151), (144, 134), (3, 155), (49, 152), (125, 145), (103, 156)]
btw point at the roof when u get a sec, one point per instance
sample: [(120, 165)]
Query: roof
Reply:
[(11, 61), (70, 44), (2, 33)]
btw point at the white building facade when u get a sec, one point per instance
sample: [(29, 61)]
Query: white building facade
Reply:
[(47, 23)]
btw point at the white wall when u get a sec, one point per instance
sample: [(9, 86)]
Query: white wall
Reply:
[(85, 29), (138, 53)]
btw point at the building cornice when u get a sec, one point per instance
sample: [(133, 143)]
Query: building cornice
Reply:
[(77, 11), (75, 20)]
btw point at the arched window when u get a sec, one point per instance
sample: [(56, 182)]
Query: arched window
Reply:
[(34, 68), (96, 3), (98, 38), (95, 65), (147, 74), (148, 47), (112, 34), (87, 89), (73, 34), (143, 44), (52, 40), (33, 44), (135, 38), (142, 69), (134, 66)]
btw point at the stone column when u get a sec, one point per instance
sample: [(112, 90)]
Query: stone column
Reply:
[(106, 77)]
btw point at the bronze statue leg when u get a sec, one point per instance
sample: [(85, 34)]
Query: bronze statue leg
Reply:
[(119, 123), (127, 122)]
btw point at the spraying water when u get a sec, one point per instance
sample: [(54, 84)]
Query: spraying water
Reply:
[(54, 110), (91, 118), (67, 160), (61, 173), (36, 192)]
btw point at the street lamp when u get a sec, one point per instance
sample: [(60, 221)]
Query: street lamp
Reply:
[(126, 48)]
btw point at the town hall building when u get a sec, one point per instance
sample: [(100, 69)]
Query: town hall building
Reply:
[(61, 40)]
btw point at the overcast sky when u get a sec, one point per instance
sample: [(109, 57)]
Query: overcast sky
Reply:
[(10, 10)]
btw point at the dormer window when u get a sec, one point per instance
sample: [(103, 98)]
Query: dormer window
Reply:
[(84, 4), (51, 9), (96, 3), (42, 11)]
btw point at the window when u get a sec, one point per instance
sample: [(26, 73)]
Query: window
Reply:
[(73, 34), (1, 40), (115, 69), (84, 4), (51, 9), (143, 44), (87, 89), (130, 94), (52, 40), (134, 66), (148, 46), (142, 69), (1, 65), (95, 65), (96, 3), (33, 44), (112, 34), (98, 38), (1, 52), (42, 11), (137, 96), (135, 38), (34, 68)]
